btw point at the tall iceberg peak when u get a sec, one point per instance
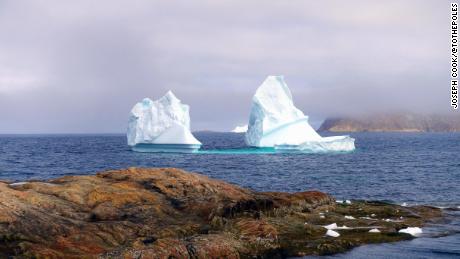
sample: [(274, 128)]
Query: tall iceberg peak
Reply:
[(274, 121), (165, 121)]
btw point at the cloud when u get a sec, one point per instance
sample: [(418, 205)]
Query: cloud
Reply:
[(80, 66)]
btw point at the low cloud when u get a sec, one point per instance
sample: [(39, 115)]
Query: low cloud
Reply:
[(80, 67)]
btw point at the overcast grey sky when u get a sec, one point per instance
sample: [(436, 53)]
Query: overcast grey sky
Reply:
[(79, 66)]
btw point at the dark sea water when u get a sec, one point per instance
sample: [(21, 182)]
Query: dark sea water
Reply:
[(416, 168)]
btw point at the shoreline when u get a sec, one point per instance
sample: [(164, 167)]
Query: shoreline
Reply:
[(170, 212)]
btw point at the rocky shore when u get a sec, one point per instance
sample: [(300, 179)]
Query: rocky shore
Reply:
[(393, 122), (170, 213)]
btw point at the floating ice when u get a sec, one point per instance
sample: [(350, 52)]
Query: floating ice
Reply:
[(161, 125), (274, 121), (240, 129), (326, 144), (374, 230), (332, 233), (414, 231)]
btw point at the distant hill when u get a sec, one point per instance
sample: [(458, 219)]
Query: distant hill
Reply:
[(405, 122)]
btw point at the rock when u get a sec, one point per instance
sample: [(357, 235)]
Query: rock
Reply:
[(161, 213), (393, 122)]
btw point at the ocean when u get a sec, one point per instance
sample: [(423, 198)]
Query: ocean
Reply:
[(412, 168)]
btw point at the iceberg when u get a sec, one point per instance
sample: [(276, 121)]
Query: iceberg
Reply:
[(161, 126), (275, 122), (240, 129)]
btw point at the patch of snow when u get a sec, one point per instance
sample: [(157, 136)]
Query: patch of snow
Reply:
[(331, 226), (334, 226), (374, 230), (393, 220), (350, 217), (18, 183), (332, 233), (343, 227), (414, 231)]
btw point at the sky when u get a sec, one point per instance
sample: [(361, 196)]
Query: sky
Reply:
[(80, 66)]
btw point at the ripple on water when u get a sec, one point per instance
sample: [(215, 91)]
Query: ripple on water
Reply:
[(399, 167)]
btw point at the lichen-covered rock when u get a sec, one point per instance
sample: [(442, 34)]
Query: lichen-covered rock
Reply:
[(163, 213)]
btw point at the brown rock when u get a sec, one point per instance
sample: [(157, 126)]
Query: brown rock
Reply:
[(162, 213)]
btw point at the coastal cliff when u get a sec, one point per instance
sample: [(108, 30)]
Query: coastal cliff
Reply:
[(170, 213), (393, 123)]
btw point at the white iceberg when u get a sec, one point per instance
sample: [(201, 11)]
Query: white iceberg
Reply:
[(161, 125), (274, 121), (240, 129), (414, 231)]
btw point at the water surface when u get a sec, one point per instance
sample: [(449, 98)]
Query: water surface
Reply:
[(416, 168)]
